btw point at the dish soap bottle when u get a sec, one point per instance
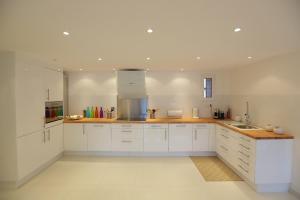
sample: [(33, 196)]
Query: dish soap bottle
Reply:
[(92, 112), (88, 112)]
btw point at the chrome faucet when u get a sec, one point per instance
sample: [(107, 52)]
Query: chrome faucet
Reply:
[(247, 117)]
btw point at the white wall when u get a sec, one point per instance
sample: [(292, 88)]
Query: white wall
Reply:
[(272, 88), (166, 90), (8, 163)]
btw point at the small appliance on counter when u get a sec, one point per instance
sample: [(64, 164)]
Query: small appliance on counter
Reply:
[(175, 113), (195, 112), (53, 111)]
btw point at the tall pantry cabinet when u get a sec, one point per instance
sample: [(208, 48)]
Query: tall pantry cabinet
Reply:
[(36, 143)]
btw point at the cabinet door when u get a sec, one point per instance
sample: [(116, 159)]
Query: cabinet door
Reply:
[(55, 138), (54, 85), (201, 139), (31, 151), (30, 99), (75, 138), (156, 140), (180, 138), (99, 137)]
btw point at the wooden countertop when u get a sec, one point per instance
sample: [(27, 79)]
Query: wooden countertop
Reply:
[(256, 134)]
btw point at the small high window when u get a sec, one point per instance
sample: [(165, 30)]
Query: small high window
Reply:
[(207, 90)]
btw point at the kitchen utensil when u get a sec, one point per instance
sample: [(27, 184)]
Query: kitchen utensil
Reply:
[(278, 130)]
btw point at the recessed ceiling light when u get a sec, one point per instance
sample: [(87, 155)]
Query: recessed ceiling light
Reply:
[(237, 29), (99, 59), (66, 33), (249, 57), (80, 69), (58, 70), (181, 69), (148, 58), (198, 58), (149, 30)]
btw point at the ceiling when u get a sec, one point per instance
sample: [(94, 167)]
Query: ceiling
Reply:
[(116, 31)]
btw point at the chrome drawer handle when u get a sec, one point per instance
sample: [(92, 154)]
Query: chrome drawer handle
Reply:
[(224, 148), (244, 154), (181, 125), (243, 169), (98, 125), (244, 161), (247, 140), (126, 131), (225, 136), (245, 147), (126, 141)]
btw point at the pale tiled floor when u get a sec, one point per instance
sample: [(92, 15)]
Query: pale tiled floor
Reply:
[(90, 178)]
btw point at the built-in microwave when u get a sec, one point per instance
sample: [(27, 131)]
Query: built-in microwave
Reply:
[(53, 111)]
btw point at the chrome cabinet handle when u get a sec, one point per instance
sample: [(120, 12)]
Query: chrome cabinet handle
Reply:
[(224, 148), (165, 135), (247, 140), (126, 131), (245, 147), (44, 138), (180, 125), (126, 141), (244, 154), (243, 169), (195, 135), (49, 134), (83, 127), (98, 125), (225, 136), (244, 161)]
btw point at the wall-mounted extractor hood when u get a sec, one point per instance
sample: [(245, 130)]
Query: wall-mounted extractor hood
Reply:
[(132, 102)]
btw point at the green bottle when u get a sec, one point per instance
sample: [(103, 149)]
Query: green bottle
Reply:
[(92, 112)]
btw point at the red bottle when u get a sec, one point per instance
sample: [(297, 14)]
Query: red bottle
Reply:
[(101, 112), (96, 112)]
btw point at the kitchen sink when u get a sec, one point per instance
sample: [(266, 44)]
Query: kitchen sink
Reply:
[(244, 126)]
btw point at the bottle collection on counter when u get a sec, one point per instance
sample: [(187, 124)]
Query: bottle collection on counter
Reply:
[(94, 112)]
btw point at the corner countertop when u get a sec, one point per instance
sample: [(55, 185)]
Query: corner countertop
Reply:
[(256, 134)]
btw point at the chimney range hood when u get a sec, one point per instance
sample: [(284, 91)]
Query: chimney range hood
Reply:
[(132, 100)]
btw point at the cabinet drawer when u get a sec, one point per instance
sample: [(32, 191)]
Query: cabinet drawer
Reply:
[(165, 126), (196, 126), (126, 144), (127, 125), (127, 133)]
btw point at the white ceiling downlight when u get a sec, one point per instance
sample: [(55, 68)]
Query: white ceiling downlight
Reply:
[(99, 59), (149, 30), (198, 57), (148, 58), (237, 29), (66, 33), (249, 57), (80, 69)]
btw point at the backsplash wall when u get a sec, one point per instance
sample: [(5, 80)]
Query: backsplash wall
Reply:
[(166, 90)]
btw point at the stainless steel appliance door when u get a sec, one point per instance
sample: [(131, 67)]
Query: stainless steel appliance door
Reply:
[(133, 109)]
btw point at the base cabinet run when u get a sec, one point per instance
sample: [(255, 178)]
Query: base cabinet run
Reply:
[(264, 164)]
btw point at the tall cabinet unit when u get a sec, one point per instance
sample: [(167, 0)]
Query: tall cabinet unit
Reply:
[(37, 143)]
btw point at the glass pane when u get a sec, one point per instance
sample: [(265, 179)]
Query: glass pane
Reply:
[(207, 88)]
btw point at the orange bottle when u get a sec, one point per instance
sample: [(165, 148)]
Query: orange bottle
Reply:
[(96, 112)]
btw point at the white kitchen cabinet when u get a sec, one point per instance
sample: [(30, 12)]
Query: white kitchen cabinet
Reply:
[(201, 137), (180, 137), (31, 151), (98, 137), (30, 98), (156, 138), (55, 140), (53, 85), (75, 138), (127, 137)]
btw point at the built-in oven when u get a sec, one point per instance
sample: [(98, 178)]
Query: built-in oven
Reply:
[(53, 111)]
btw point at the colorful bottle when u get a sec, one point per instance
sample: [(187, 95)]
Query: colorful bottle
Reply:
[(101, 112), (88, 113), (92, 112), (96, 112)]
